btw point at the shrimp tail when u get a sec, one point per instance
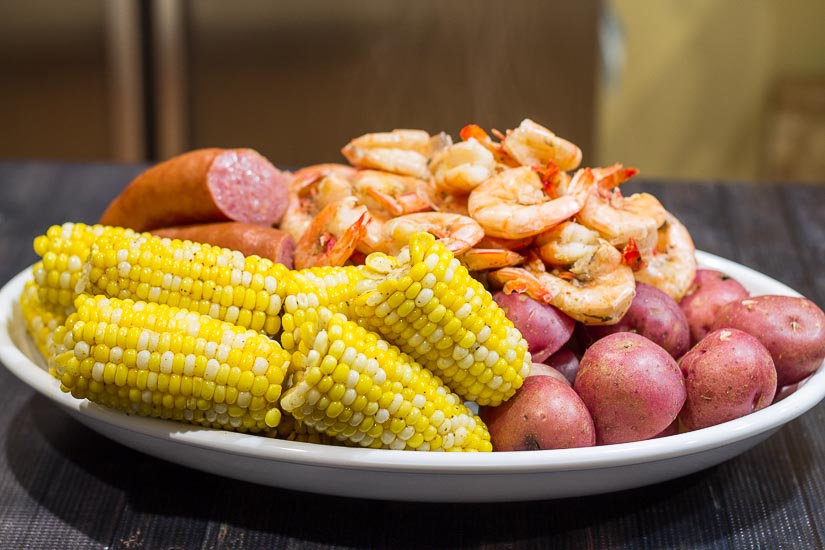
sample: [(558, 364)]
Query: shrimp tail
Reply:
[(341, 249), (474, 131), (407, 203), (613, 176), (550, 177), (482, 259), (521, 281), (319, 247)]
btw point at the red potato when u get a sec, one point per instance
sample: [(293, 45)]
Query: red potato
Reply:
[(545, 413), (672, 429), (543, 369), (728, 374), (545, 328), (785, 391), (791, 328), (710, 290), (632, 387), (248, 238), (202, 186), (652, 314), (566, 362)]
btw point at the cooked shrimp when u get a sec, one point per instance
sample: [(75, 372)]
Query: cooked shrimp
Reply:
[(565, 244), (587, 279), (477, 133), (516, 204), (404, 152), (310, 174), (508, 244), (613, 176), (532, 144), (311, 189), (673, 265), (622, 220), (458, 233), (333, 236), (451, 203), (482, 259), (348, 213), (462, 167), (522, 281), (599, 294), (393, 195)]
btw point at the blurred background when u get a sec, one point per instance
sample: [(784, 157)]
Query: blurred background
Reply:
[(683, 89)]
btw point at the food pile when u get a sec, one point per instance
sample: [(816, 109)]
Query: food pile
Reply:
[(377, 304)]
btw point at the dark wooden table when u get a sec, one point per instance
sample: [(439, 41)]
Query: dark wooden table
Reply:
[(64, 486)]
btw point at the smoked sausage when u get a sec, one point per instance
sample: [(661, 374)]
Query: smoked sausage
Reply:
[(202, 186), (261, 240)]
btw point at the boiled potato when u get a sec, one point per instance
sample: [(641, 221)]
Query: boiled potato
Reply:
[(632, 387), (791, 328), (728, 374)]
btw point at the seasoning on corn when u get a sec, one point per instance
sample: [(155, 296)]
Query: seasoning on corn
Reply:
[(161, 361), (219, 282), (350, 384), (426, 303), (63, 250)]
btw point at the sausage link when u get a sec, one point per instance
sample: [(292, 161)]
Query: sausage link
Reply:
[(201, 186)]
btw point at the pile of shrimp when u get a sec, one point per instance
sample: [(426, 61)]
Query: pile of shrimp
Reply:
[(516, 208)]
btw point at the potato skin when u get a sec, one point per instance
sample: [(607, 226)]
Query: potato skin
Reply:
[(652, 314), (728, 374), (791, 328), (710, 290), (632, 387), (672, 429), (543, 369), (545, 328), (566, 362), (545, 413)]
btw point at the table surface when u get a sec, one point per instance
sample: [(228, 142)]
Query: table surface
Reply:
[(64, 486)]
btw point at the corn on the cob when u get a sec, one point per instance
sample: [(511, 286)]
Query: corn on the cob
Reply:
[(348, 383), (41, 319), (426, 303), (331, 287), (63, 250), (351, 385), (156, 270), (222, 283), (293, 430), (160, 361)]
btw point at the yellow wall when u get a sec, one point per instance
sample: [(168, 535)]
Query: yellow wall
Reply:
[(691, 99)]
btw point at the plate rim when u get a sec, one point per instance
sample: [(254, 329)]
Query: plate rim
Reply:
[(807, 396)]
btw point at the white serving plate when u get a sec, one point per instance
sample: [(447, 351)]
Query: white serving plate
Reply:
[(411, 476)]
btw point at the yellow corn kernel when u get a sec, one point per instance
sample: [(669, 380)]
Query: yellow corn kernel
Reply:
[(149, 385), (448, 321), (396, 389), (211, 280), (64, 250), (41, 318)]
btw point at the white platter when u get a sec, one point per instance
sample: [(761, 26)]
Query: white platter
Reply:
[(398, 475)]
